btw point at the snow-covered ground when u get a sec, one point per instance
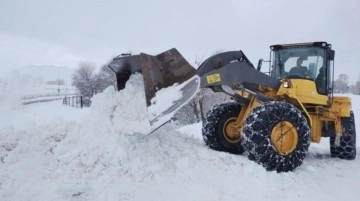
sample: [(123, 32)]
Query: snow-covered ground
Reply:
[(31, 82), (49, 151)]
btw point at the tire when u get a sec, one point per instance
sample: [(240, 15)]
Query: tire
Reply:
[(213, 130), (265, 141), (347, 148)]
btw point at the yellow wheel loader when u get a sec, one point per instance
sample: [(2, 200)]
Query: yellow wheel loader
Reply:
[(273, 117)]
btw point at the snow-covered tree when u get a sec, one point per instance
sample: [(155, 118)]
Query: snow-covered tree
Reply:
[(90, 82), (355, 88), (341, 85), (105, 78), (85, 78)]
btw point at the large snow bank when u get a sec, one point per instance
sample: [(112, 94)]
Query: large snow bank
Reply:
[(71, 159), (105, 156)]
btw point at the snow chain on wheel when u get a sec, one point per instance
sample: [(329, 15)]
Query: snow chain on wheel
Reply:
[(277, 136), (218, 132), (347, 148)]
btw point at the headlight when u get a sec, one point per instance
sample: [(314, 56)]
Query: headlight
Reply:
[(287, 83)]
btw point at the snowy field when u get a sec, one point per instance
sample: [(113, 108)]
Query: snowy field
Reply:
[(49, 151)]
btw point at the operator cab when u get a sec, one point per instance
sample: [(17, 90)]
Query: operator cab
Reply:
[(311, 61)]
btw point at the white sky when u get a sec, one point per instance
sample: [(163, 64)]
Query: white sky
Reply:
[(64, 32)]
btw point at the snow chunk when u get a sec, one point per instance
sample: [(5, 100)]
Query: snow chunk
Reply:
[(123, 111)]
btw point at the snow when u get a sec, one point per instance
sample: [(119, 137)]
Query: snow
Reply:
[(164, 98), (50, 151), (42, 113), (169, 100)]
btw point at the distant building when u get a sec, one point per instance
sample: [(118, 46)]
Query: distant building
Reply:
[(56, 82)]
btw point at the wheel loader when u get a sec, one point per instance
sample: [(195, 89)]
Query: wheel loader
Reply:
[(274, 115)]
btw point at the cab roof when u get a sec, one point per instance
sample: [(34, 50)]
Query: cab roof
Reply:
[(322, 44)]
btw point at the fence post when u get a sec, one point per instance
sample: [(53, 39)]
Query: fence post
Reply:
[(75, 101), (81, 102)]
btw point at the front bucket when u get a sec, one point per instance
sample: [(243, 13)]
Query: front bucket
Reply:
[(169, 81), (164, 70), (169, 100)]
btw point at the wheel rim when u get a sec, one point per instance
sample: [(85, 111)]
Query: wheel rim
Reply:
[(284, 137), (231, 131)]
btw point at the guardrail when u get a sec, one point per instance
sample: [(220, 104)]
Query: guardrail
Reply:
[(38, 100), (42, 95)]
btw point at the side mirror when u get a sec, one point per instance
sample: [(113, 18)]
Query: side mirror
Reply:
[(259, 64)]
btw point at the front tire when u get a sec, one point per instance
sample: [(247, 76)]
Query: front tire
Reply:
[(276, 136), (347, 148), (217, 130)]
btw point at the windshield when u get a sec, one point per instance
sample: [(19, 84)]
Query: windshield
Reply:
[(303, 63)]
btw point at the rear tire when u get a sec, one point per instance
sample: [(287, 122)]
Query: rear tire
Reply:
[(214, 132), (347, 148), (276, 136)]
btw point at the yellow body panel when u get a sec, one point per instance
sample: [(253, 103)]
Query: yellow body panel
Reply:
[(318, 109), (342, 105), (305, 91), (316, 128)]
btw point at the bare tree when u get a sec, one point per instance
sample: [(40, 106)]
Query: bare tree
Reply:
[(355, 88), (105, 78), (199, 60), (341, 85), (84, 79), (89, 82)]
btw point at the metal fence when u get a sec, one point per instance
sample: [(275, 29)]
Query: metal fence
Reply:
[(77, 101), (42, 95)]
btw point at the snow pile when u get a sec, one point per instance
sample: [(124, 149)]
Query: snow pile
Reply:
[(77, 160), (124, 111), (112, 139), (105, 156)]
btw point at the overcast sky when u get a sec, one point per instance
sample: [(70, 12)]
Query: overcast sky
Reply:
[(65, 32)]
